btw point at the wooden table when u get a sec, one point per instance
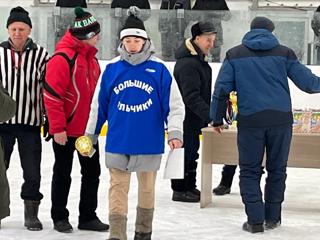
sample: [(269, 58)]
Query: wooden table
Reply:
[(222, 149)]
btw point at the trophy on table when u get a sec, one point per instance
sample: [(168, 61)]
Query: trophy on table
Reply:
[(85, 146)]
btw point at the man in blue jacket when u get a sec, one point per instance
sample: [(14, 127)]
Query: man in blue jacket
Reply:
[(258, 70)]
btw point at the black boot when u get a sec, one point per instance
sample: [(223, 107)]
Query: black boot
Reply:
[(185, 197), (253, 228), (221, 190), (227, 175), (94, 225), (31, 220), (142, 236), (268, 225), (63, 226), (195, 192)]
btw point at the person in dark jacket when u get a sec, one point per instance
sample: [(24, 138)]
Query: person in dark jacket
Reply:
[(215, 11), (172, 26), (315, 24), (193, 75), (8, 110), (119, 16), (258, 70)]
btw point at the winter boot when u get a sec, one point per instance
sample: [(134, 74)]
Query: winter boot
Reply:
[(142, 236), (221, 190), (118, 226), (31, 220), (271, 224), (94, 225), (253, 228), (143, 224)]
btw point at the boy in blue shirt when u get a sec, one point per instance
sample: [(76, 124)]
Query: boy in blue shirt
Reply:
[(137, 96)]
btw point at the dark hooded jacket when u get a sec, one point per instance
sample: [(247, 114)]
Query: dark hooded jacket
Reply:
[(194, 76), (258, 70)]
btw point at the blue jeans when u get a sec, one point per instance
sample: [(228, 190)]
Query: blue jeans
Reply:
[(252, 144)]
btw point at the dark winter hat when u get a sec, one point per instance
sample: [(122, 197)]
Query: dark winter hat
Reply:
[(262, 23), (133, 25), (200, 28), (85, 26), (19, 14)]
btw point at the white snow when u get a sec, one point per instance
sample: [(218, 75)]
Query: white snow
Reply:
[(173, 220)]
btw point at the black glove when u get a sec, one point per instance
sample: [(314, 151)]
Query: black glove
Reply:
[(46, 134)]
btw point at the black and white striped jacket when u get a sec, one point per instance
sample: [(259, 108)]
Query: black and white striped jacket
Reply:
[(21, 77)]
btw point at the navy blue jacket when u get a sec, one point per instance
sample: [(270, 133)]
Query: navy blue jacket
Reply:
[(258, 70)]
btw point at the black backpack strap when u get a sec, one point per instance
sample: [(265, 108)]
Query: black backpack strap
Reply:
[(71, 63)]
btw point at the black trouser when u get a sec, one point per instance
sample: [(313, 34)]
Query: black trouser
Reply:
[(228, 172), (191, 146), (29, 147), (61, 180)]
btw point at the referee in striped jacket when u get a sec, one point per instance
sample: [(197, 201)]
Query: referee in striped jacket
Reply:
[(22, 64)]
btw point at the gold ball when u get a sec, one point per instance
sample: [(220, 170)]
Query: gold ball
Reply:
[(84, 144)]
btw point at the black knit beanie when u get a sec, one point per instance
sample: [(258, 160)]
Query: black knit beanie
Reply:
[(19, 14), (262, 23), (133, 25), (85, 26)]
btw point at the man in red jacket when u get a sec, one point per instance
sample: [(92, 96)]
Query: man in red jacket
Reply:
[(71, 78)]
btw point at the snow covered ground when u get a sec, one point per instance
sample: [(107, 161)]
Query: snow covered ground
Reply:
[(173, 220)]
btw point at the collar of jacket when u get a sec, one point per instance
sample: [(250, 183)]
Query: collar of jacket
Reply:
[(70, 42), (29, 45), (195, 50)]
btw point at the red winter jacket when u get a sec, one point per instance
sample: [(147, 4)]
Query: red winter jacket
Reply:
[(68, 101)]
